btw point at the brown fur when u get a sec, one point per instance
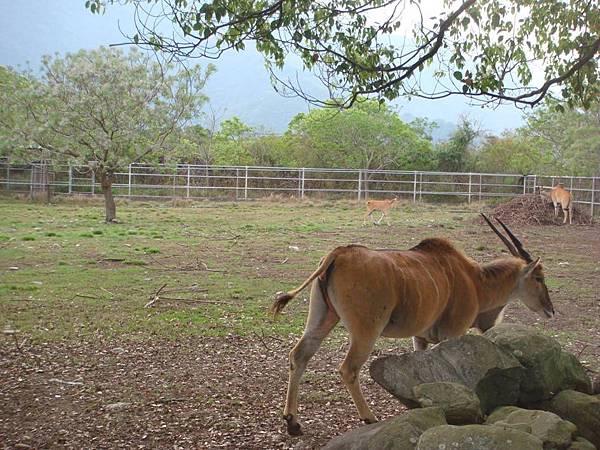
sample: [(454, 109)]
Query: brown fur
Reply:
[(560, 196), (431, 292), (382, 206)]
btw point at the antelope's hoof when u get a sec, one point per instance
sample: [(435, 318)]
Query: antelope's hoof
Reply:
[(370, 420), (293, 427)]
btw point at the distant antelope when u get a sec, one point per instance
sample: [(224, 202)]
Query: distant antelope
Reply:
[(560, 196), (383, 206), (431, 292)]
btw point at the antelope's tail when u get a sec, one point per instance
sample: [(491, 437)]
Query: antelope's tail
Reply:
[(284, 298)]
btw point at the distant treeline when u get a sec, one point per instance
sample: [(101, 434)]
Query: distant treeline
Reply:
[(372, 136)]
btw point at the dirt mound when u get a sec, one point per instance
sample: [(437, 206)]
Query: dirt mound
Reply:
[(532, 209)]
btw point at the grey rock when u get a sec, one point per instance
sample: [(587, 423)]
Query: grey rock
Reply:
[(460, 404), (553, 431), (501, 413), (581, 444), (581, 409), (549, 369), (477, 437), (515, 426), (493, 373), (398, 433)]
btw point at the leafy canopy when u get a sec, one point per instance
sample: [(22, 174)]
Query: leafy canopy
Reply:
[(102, 106), (489, 50), (366, 136)]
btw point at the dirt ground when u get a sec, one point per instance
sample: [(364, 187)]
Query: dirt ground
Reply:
[(144, 389)]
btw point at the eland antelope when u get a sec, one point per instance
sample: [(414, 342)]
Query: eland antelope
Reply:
[(383, 206), (560, 196), (430, 292)]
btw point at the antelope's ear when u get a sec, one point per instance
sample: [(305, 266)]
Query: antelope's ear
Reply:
[(529, 268)]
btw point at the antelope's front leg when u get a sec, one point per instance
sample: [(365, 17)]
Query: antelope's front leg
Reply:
[(362, 341), (555, 209)]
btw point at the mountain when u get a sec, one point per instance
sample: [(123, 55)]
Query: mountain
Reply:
[(241, 85)]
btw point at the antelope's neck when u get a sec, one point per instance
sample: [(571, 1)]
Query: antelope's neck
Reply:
[(498, 281)]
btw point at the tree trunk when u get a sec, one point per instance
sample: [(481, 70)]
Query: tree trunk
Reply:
[(106, 181)]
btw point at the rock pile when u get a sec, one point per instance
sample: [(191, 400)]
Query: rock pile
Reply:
[(511, 388)]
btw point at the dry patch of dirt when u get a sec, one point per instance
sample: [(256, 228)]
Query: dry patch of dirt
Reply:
[(202, 393)]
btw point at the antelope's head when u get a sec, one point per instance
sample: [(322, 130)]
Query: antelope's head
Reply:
[(531, 286)]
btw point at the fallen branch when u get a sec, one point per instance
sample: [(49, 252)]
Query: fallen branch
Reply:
[(84, 296), (108, 292), (261, 337), (211, 270), (169, 400), (582, 350), (192, 288), (195, 300), (155, 297), (69, 383)]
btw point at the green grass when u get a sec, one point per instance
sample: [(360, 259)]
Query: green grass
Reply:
[(76, 278)]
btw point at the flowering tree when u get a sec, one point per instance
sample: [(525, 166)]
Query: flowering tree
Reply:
[(104, 108)]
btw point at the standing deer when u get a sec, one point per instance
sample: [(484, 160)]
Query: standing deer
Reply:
[(430, 292), (560, 196), (383, 206)]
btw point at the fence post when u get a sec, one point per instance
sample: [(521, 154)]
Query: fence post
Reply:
[(415, 188), (571, 185), (592, 202), (302, 188), (70, 179), (470, 182), (237, 183), (359, 184), (93, 182), (8, 177), (525, 178), (187, 187), (31, 175), (246, 184), (534, 183), (129, 183)]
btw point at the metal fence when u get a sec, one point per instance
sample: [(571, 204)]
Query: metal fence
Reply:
[(251, 182)]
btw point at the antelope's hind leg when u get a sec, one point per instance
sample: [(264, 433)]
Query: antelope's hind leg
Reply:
[(321, 320), (570, 215), (419, 344)]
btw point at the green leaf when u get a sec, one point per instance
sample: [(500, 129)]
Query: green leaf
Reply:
[(458, 75)]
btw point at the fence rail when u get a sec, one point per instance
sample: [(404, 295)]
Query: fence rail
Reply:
[(249, 182)]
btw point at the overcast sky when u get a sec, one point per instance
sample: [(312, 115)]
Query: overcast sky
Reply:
[(32, 28)]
